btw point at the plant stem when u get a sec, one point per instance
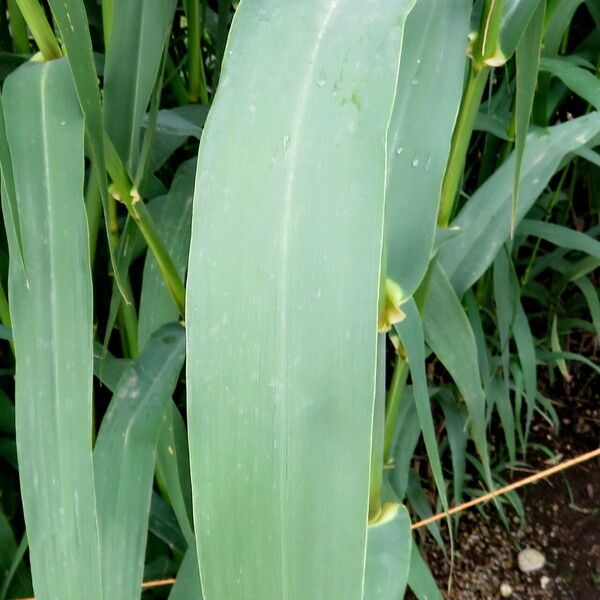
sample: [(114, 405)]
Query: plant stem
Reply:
[(197, 77), (42, 33), (125, 191), (394, 397), (460, 143)]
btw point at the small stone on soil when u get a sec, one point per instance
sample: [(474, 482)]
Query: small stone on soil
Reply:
[(505, 590), (531, 560)]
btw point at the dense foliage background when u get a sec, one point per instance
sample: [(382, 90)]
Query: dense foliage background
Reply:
[(506, 298)]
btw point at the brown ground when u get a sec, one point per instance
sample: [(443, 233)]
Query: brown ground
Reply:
[(562, 517)]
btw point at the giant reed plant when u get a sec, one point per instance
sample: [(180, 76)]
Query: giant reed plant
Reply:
[(377, 185)]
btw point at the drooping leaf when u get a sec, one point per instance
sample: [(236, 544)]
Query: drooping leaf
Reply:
[(280, 244), (433, 50), (52, 328), (467, 256), (449, 334), (124, 459)]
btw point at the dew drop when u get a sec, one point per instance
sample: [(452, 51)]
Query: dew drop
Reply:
[(414, 81), (286, 142), (415, 162), (399, 151)]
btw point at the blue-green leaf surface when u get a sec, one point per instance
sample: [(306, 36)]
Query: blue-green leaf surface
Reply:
[(283, 291)]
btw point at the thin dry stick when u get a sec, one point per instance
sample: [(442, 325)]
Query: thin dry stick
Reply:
[(513, 486), (485, 498)]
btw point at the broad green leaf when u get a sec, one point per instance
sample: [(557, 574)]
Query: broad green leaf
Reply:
[(72, 21), (173, 216), (389, 544), (485, 219), (172, 457), (139, 32), (410, 330), (187, 585), (420, 579), (283, 295), (577, 79), (124, 459), (449, 334), (52, 328), (433, 50), (561, 236), (527, 61)]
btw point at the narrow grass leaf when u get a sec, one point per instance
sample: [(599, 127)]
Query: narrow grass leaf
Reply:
[(52, 328), (410, 330), (124, 459), (420, 579), (287, 228), (456, 427), (556, 349), (187, 585), (527, 63), (526, 351), (388, 554), (561, 236), (433, 50), (590, 292), (448, 333), (577, 79), (485, 219), (139, 32)]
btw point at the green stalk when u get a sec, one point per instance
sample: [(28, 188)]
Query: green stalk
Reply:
[(125, 191), (128, 324), (42, 33), (18, 28), (394, 398), (460, 143), (197, 77)]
